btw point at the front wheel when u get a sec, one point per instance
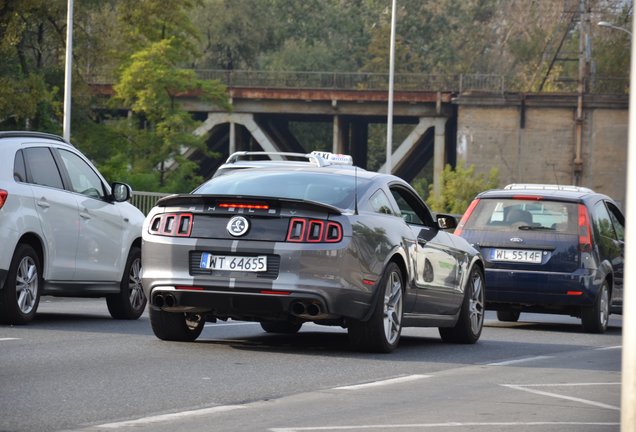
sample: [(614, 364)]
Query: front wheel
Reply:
[(596, 318), (131, 301), (381, 333), (20, 297), (468, 328), (176, 326)]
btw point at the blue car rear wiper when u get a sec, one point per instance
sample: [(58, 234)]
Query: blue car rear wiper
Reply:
[(537, 228)]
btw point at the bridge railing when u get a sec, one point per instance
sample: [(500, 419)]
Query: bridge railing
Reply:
[(331, 80), (461, 83)]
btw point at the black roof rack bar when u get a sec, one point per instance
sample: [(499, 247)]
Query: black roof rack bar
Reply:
[(31, 134)]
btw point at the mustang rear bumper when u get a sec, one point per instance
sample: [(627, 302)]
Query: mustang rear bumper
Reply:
[(258, 305)]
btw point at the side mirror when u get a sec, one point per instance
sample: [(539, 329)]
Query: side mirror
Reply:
[(446, 222), (121, 192)]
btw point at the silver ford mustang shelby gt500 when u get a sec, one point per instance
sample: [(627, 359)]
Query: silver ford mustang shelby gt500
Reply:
[(286, 244)]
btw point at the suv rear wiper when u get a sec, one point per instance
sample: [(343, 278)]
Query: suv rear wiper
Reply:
[(536, 228)]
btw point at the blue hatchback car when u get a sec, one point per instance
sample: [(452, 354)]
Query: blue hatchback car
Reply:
[(549, 249)]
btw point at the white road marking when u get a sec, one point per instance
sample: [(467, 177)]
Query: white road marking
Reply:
[(608, 348), (559, 396), (390, 381), (8, 339), (438, 425), (168, 417), (520, 360)]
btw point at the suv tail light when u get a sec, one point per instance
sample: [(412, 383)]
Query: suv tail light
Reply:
[(171, 224), (303, 230), (465, 217), (585, 230), (3, 197)]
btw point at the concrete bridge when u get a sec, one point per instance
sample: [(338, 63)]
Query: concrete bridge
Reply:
[(265, 103)]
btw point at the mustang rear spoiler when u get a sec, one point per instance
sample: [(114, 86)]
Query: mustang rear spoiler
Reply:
[(193, 199)]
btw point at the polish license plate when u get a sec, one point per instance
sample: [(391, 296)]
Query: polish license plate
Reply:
[(516, 255), (233, 262)]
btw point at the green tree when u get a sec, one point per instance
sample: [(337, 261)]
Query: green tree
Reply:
[(459, 187), (149, 85)]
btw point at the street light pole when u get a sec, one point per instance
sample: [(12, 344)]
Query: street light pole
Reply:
[(628, 382), (389, 120), (612, 26), (67, 76)]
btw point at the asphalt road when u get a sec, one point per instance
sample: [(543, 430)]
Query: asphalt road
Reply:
[(75, 368)]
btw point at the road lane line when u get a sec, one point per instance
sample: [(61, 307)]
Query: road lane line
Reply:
[(519, 360), (230, 324), (438, 425), (8, 339), (567, 384), (608, 348), (558, 396), (390, 381), (167, 417)]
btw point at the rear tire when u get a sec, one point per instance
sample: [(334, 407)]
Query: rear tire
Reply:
[(286, 327), (130, 303), (596, 318), (381, 333), (468, 328), (508, 315), (176, 326), (20, 297)]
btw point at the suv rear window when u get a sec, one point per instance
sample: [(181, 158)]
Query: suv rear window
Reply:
[(502, 214)]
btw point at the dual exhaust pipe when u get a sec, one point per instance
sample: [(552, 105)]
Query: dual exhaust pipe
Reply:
[(299, 308), (164, 300)]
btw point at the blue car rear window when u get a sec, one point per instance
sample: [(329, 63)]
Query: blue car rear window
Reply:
[(513, 214)]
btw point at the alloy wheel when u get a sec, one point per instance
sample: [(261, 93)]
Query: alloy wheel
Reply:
[(26, 286)]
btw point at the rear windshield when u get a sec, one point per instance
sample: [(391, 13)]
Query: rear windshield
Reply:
[(514, 214), (327, 188)]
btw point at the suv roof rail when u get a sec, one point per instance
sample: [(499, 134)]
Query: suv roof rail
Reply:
[(525, 186), (32, 134)]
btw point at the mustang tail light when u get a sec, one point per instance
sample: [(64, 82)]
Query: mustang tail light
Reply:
[(302, 230), (585, 230), (3, 197), (465, 217), (171, 224)]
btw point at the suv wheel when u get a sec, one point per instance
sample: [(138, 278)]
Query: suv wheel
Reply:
[(21, 294), (471, 317), (176, 326), (596, 318), (131, 301)]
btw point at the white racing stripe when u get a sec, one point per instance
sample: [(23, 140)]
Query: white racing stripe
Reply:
[(390, 381)]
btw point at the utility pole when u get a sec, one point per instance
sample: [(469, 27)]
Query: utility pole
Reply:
[(582, 88), (67, 77), (389, 119)]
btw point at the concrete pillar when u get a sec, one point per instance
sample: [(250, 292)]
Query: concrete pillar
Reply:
[(439, 155), (232, 137), (338, 144)]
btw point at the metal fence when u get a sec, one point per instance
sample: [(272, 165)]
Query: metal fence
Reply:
[(487, 83), (144, 201)]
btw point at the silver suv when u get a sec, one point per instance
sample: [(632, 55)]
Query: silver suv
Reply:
[(63, 230)]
